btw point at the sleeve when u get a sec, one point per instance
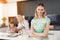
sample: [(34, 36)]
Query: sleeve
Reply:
[(26, 24), (48, 20), (32, 22), (19, 25)]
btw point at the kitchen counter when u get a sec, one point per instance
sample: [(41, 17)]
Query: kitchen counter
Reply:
[(53, 35), (5, 36)]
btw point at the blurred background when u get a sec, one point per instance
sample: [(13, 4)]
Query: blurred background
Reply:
[(9, 9)]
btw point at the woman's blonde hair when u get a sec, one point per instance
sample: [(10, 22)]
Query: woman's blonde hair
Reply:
[(20, 17), (44, 13)]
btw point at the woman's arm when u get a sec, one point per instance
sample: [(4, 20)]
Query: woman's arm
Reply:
[(26, 25), (18, 28), (46, 29), (32, 29), (45, 33), (12, 30), (32, 32)]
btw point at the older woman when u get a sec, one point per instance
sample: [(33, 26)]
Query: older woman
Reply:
[(22, 23)]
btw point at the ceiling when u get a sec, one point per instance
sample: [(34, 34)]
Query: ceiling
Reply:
[(15, 0), (6, 1)]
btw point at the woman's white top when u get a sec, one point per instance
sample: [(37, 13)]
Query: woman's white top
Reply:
[(24, 24)]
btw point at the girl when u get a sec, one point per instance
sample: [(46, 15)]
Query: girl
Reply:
[(12, 27)]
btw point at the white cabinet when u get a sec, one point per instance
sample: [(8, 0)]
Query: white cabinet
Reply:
[(56, 34)]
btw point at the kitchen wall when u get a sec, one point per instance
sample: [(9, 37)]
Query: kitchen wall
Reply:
[(28, 7), (10, 10)]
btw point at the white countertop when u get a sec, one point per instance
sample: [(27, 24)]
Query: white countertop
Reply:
[(20, 37)]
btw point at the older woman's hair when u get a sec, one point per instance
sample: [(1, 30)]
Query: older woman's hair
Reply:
[(44, 13)]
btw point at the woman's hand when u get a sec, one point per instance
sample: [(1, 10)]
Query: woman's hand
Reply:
[(40, 34), (12, 31), (18, 28)]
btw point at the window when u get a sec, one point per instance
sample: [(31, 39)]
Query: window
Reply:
[(1, 5)]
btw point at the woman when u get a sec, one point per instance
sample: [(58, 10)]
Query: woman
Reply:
[(40, 23), (22, 23)]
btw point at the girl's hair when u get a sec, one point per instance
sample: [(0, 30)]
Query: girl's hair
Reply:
[(13, 23), (44, 13)]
